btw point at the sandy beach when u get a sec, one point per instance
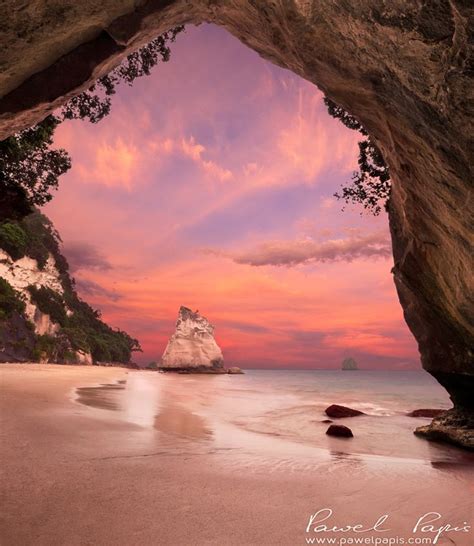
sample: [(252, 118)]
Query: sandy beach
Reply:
[(76, 473)]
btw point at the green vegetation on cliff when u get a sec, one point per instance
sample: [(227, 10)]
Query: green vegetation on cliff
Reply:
[(33, 236), (370, 185), (83, 327), (80, 326), (10, 300), (13, 239), (49, 302)]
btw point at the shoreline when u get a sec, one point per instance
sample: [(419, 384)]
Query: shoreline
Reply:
[(71, 473), (232, 370)]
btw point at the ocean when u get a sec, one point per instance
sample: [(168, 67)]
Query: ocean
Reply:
[(274, 415), (138, 457)]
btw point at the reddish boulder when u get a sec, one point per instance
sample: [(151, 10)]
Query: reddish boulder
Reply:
[(326, 421), (426, 413), (338, 412), (340, 431)]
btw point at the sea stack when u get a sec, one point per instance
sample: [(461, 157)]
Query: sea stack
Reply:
[(192, 348), (349, 364)]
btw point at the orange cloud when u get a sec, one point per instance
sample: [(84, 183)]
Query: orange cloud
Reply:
[(146, 261), (194, 150), (258, 312), (115, 165)]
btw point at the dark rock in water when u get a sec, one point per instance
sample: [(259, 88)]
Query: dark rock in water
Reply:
[(339, 430), (338, 412), (454, 426), (426, 413), (326, 421), (234, 370)]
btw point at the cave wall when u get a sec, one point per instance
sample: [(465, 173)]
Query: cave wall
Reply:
[(403, 67)]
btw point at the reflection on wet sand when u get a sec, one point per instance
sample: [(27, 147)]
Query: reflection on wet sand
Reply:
[(342, 455), (177, 420), (146, 405), (223, 414), (130, 475), (101, 397)]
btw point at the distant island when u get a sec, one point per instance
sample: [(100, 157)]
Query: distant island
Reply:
[(349, 364), (192, 348)]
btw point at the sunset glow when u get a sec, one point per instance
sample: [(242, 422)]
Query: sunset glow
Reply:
[(211, 185)]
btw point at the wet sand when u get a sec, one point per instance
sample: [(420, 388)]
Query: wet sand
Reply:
[(76, 473)]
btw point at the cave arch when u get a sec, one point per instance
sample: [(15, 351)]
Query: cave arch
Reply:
[(404, 70)]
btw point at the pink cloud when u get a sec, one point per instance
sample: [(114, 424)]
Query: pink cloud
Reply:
[(195, 151), (168, 160), (291, 253), (115, 164)]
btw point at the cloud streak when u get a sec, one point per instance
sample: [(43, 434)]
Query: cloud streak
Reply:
[(82, 255), (243, 160), (300, 252), (91, 288)]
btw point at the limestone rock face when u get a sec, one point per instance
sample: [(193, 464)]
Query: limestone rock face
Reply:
[(24, 272), (20, 274), (349, 364), (404, 69), (192, 347)]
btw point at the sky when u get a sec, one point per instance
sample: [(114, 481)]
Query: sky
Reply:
[(211, 185)]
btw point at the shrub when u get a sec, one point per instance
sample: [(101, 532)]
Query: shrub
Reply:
[(49, 302), (10, 300), (46, 346), (13, 239), (77, 337), (42, 240), (33, 236)]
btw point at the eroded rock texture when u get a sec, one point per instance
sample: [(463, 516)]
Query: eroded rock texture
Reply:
[(403, 67), (192, 347)]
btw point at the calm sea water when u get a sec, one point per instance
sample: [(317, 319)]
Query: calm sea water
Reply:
[(280, 412)]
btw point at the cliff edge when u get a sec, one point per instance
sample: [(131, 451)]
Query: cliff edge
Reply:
[(41, 316)]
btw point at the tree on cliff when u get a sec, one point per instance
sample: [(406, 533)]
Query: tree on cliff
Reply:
[(94, 103), (28, 163), (370, 185)]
